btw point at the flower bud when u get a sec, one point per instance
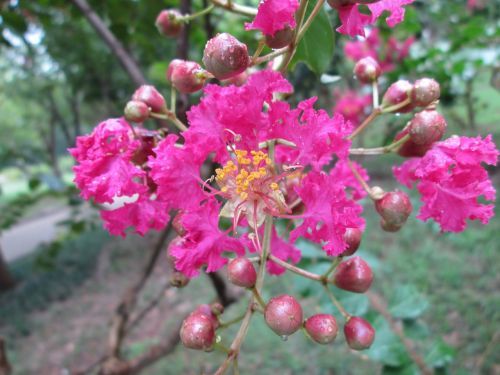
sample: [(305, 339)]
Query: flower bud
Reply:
[(394, 207), (177, 241), (241, 272), (237, 80), (178, 279), (169, 22), (149, 95), (225, 56), (186, 76), (410, 149), (337, 4), (397, 93), (367, 70), (280, 39), (427, 127), (389, 227), (283, 314), (352, 236), (359, 334), (177, 224), (425, 91), (322, 328), (207, 310), (136, 111), (353, 275), (197, 332)]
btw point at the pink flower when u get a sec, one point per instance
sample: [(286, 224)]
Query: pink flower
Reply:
[(204, 243), (316, 135), (451, 180), (328, 212), (273, 16), (105, 169), (143, 214), (224, 112), (388, 55), (352, 106), (176, 172), (341, 172), (353, 22)]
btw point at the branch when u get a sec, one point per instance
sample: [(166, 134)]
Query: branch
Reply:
[(124, 57), (379, 305), (5, 368)]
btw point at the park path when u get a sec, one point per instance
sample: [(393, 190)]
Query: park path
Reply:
[(25, 237)]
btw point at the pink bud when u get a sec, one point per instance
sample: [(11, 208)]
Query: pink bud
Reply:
[(322, 328), (425, 91), (410, 149), (352, 236), (177, 224), (178, 279), (367, 70), (186, 76), (197, 332), (427, 127), (149, 95), (241, 272), (136, 111), (206, 310), (394, 207), (169, 22), (225, 56), (283, 314), (359, 334), (237, 80), (398, 92), (280, 39), (354, 275)]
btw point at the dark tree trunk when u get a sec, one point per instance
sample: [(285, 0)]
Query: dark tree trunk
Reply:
[(6, 279)]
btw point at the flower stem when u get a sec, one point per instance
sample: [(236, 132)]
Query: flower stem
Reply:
[(299, 271), (173, 98), (235, 8), (197, 14), (375, 94), (336, 302), (269, 56), (395, 107), (393, 147), (364, 124), (239, 318), (308, 22), (334, 265), (258, 297), (170, 116), (361, 181)]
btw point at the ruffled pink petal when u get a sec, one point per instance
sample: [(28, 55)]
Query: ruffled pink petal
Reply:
[(274, 15)]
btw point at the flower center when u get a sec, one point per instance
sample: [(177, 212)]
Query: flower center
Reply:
[(250, 178)]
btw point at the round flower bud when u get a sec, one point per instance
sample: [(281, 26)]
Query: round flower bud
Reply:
[(389, 227), (241, 272), (398, 92), (149, 95), (280, 39), (427, 127), (425, 91), (178, 279), (353, 275), (394, 207), (177, 224), (207, 310), (197, 332), (169, 22), (322, 328), (410, 149), (367, 70), (225, 56), (186, 76), (283, 314), (136, 111), (352, 236), (359, 334), (177, 241), (237, 80)]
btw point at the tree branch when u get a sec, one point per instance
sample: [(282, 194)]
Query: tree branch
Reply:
[(123, 56), (5, 368)]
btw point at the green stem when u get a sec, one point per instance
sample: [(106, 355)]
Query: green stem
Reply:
[(393, 147), (173, 98), (336, 302), (375, 94), (259, 298), (299, 271), (309, 21), (365, 123), (235, 8), (239, 318), (395, 107), (334, 265), (198, 14)]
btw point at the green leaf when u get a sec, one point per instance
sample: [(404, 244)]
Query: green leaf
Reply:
[(316, 47), (387, 347), (410, 369), (440, 354), (407, 303)]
